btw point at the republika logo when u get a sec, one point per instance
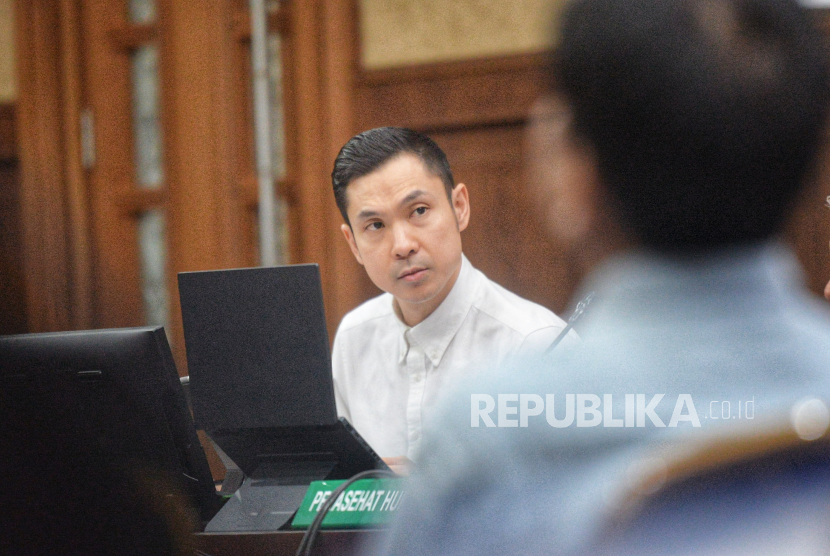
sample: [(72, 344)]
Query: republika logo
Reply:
[(589, 410)]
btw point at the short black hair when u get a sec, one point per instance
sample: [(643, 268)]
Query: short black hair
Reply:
[(366, 152), (706, 116)]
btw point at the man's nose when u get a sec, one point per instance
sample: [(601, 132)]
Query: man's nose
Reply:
[(406, 243)]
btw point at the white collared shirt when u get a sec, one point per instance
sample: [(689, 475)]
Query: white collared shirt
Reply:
[(388, 376)]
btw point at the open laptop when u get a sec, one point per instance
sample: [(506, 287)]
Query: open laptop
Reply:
[(261, 387)]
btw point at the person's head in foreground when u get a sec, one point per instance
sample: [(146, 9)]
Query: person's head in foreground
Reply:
[(827, 286), (676, 135), (689, 125), (403, 215)]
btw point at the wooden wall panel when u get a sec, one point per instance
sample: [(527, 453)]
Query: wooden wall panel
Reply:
[(346, 281), (476, 110), (113, 226), (320, 107), (200, 116), (77, 209), (44, 228), (79, 226), (504, 240), (450, 95)]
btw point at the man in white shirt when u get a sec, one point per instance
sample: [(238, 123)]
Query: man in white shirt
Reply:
[(440, 318)]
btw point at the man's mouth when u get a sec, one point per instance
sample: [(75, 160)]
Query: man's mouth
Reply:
[(412, 274)]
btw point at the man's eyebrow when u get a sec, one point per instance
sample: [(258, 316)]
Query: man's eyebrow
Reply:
[(366, 213), (412, 196)]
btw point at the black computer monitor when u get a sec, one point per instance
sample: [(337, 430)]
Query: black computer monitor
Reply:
[(260, 369), (122, 388)]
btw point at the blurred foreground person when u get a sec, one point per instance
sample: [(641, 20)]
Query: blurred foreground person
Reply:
[(675, 137), (827, 287)]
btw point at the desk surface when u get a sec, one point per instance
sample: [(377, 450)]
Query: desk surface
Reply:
[(280, 543)]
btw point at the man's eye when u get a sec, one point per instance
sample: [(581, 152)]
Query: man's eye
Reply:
[(421, 210), (374, 225)]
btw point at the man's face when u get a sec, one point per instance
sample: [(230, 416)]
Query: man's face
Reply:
[(406, 233)]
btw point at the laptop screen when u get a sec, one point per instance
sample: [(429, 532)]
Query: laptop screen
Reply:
[(257, 348)]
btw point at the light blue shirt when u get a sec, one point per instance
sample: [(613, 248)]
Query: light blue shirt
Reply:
[(736, 327)]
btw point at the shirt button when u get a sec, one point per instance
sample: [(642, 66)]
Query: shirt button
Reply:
[(417, 378)]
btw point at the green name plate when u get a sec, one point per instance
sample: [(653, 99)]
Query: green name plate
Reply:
[(366, 503)]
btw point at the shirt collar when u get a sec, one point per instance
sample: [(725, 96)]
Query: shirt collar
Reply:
[(435, 332), (637, 283)]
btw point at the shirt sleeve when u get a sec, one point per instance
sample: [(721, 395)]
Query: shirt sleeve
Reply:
[(339, 371)]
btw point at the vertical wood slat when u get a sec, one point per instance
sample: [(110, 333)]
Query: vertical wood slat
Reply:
[(347, 280), (200, 133), (309, 139), (292, 167), (44, 229), (78, 211), (245, 177), (320, 73), (114, 232)]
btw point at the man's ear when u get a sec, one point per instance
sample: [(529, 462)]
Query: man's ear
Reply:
[(563, 173), (347, 232), (461, 205)]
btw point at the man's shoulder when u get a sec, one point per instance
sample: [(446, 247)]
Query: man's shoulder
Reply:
[(375, 311), (520, 314)]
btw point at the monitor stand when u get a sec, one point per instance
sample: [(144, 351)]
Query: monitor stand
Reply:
[(268, 499)]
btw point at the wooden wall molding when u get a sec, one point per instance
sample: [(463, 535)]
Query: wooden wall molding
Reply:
[(451, 69), (451, 95)]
